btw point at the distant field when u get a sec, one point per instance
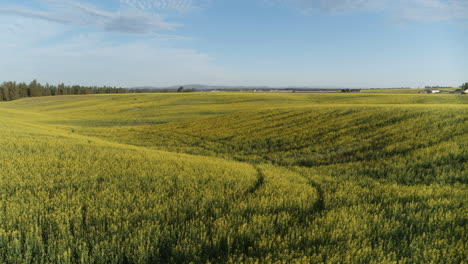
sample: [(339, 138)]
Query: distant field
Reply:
[(234, 178), (405, 90)]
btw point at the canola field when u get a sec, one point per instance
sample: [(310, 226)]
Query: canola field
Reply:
[(234, 178)]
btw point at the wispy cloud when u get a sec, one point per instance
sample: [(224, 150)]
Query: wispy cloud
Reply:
[(93, 58), (178, 5), (19, 11), (398, 10), (80, 13), (430, 10)]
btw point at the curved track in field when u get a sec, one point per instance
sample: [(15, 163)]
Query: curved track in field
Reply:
[(258, 183), (319, 205)]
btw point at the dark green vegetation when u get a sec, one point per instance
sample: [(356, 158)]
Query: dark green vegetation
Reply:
[(11, 90), (234, 177)]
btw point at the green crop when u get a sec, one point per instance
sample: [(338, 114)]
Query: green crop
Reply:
[(234, 178)]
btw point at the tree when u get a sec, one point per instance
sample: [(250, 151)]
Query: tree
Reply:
[(4, 93), (10, 91), (35, 89), (23, 90), (180, 89)]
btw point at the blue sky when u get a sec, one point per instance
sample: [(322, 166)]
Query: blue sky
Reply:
[(319, 43)]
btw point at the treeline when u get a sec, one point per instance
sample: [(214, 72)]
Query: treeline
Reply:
[(351, 90), (12, 90)]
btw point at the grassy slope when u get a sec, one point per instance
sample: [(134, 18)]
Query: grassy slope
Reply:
[(320, 179)]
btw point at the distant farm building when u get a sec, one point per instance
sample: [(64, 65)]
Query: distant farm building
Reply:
[(431, 91), (460, 91)]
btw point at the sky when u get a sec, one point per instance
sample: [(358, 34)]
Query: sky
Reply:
[(278, 43)]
